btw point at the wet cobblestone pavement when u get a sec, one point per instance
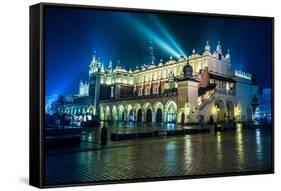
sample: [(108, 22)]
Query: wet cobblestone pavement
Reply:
[(239, 150)]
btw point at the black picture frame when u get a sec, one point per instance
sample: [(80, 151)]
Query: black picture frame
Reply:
[(37, 94)]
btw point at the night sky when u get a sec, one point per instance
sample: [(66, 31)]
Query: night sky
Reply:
[(72, 35)]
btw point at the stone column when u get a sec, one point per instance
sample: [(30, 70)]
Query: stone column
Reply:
[(118, 115), (142, 111), (134, 114), (165, 116), (153, 112), (125, 115)]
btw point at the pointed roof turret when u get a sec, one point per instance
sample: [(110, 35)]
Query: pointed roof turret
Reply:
[(94, 56), (161, 62), (218, 50), (228, 56), (102, 68), (118, 63), (193, 51), (95, 64), (207, 47), (109, 65)]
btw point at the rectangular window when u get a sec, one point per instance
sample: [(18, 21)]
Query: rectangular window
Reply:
[(147, 90), (140, 91)]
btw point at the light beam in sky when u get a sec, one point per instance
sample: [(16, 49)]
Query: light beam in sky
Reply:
[(167, 35), (144, 29)]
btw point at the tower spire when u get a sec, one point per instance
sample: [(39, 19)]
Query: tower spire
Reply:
[(207, 46), (150, 50), (110, 65), (102, 68)]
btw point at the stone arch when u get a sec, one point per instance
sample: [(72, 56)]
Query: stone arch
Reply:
[(159, 112), (90, 110), (107, 114), (121, 113), (171, 111), (114, 113), (148, 116), (148, 112), (220, 109), (147, 105), (136, 108), (139, 115), (230, 109), (159, 116), (129, 112), (250, 113)]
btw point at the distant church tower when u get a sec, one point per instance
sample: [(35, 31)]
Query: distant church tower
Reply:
[(94, 82), (150, 51)]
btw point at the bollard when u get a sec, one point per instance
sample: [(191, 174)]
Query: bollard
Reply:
[(215, 127), (103, 136)]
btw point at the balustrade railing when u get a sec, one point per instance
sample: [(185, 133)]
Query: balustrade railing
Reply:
[(224, 91), (150, 96)]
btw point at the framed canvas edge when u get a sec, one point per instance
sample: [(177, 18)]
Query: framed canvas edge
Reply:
[(40, 92)]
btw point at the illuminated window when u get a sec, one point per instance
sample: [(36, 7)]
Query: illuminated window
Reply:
[(146, 78), (131, 81), (227, 86), (147, 91), (156, 91), (102, 79), (112, 92), (140, 91), (118, 79), (166, 85), (224, 85), (108, 80)]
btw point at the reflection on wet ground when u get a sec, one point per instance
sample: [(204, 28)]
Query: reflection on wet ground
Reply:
[(239, 150), (131, 127)]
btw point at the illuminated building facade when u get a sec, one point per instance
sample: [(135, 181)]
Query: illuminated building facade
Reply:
[(167, 92), (263, 111)]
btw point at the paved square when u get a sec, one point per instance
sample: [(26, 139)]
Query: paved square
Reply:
[(200, 154)]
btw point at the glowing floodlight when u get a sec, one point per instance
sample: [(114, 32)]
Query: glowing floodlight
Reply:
[(144, 29), (167, 35)]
